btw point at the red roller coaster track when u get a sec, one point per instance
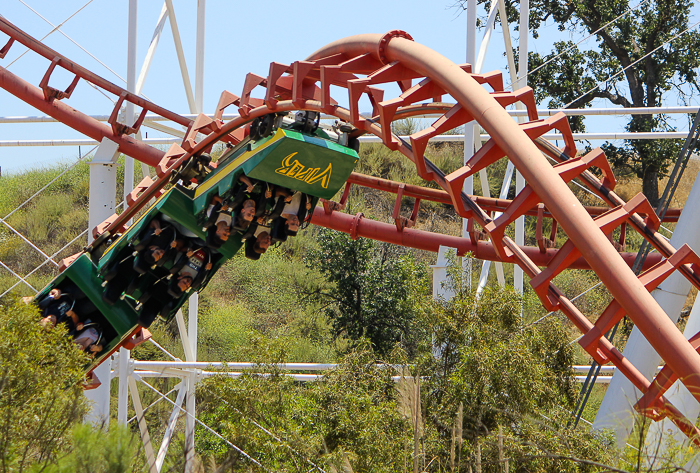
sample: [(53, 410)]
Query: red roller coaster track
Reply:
[(360, 64)]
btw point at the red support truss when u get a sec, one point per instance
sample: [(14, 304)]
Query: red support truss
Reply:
[(362, 65)]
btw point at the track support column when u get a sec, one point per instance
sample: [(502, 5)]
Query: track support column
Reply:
[(103, 186)]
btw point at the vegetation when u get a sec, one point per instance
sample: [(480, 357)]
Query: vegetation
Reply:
[(650, 42), (506, 387), (94, 450), (496, 392), (370, 289), (351, 415), (499, 392), (41, 377)]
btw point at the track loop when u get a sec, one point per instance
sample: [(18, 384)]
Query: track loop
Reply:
[(360, 65)]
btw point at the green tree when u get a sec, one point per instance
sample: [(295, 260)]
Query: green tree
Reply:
[(635, 42), (351, 416), (502, 390), (41, 395), (371, 292), (93, 450)]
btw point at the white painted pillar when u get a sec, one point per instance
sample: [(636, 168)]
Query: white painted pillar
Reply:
[(100, 397), (199, 61), (193, 314), (519, 180), (500, 7), (123, 394), (131, 87), (470, 129), (103, 185), (483, 278), (124, 354), (190, 405), (440, 290), (616, 411), (180, 56), (679, 395), (189, 421)]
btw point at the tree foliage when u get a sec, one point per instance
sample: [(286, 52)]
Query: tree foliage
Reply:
[(370, 290), (93, 450), (514, 384), (509, 387), (350, 416), (41, 395), (636, 42)]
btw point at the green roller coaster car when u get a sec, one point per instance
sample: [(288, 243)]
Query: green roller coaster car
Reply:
[(309, 163)]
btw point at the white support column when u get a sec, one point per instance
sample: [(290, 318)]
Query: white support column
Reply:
[(194, 299), (500, 7), (487, 36), (189, 421), (522, 82), (124, 355), (123, 393), (616, 410), (131, 87), (192, 320), (518, 275), (507, 178), (471, 128), (143, 428), (471, 59), (152, 49), (103, 185), (100, 397), (199, 62), (186, 345), (181, 56), (440, 291), (679, 395)]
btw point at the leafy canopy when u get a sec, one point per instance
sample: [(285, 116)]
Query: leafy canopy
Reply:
[(350, 416), (650, 43), (371, 290), (505, 390), (41, 395)]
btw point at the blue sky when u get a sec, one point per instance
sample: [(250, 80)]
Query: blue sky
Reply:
[(241, 37)]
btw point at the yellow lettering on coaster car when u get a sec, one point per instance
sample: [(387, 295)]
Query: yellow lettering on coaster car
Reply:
[(309, 175)]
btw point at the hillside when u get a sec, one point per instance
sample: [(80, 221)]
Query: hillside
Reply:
[(281, 308)]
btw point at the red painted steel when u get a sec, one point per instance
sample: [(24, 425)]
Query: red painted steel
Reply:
[(75, 119), (363, 227), (360, 64), (489, 204), (583, 232), (20, 36)]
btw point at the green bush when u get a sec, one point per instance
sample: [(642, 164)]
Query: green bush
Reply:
[(351, 415), (41, 395), (92, 450)]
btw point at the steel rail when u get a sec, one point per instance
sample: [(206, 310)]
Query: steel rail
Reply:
[(358, 226), (28, 41), (489, 204), (80, 122), (587, 237)]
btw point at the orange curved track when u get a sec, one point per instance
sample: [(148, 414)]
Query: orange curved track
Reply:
[(361, 65)]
